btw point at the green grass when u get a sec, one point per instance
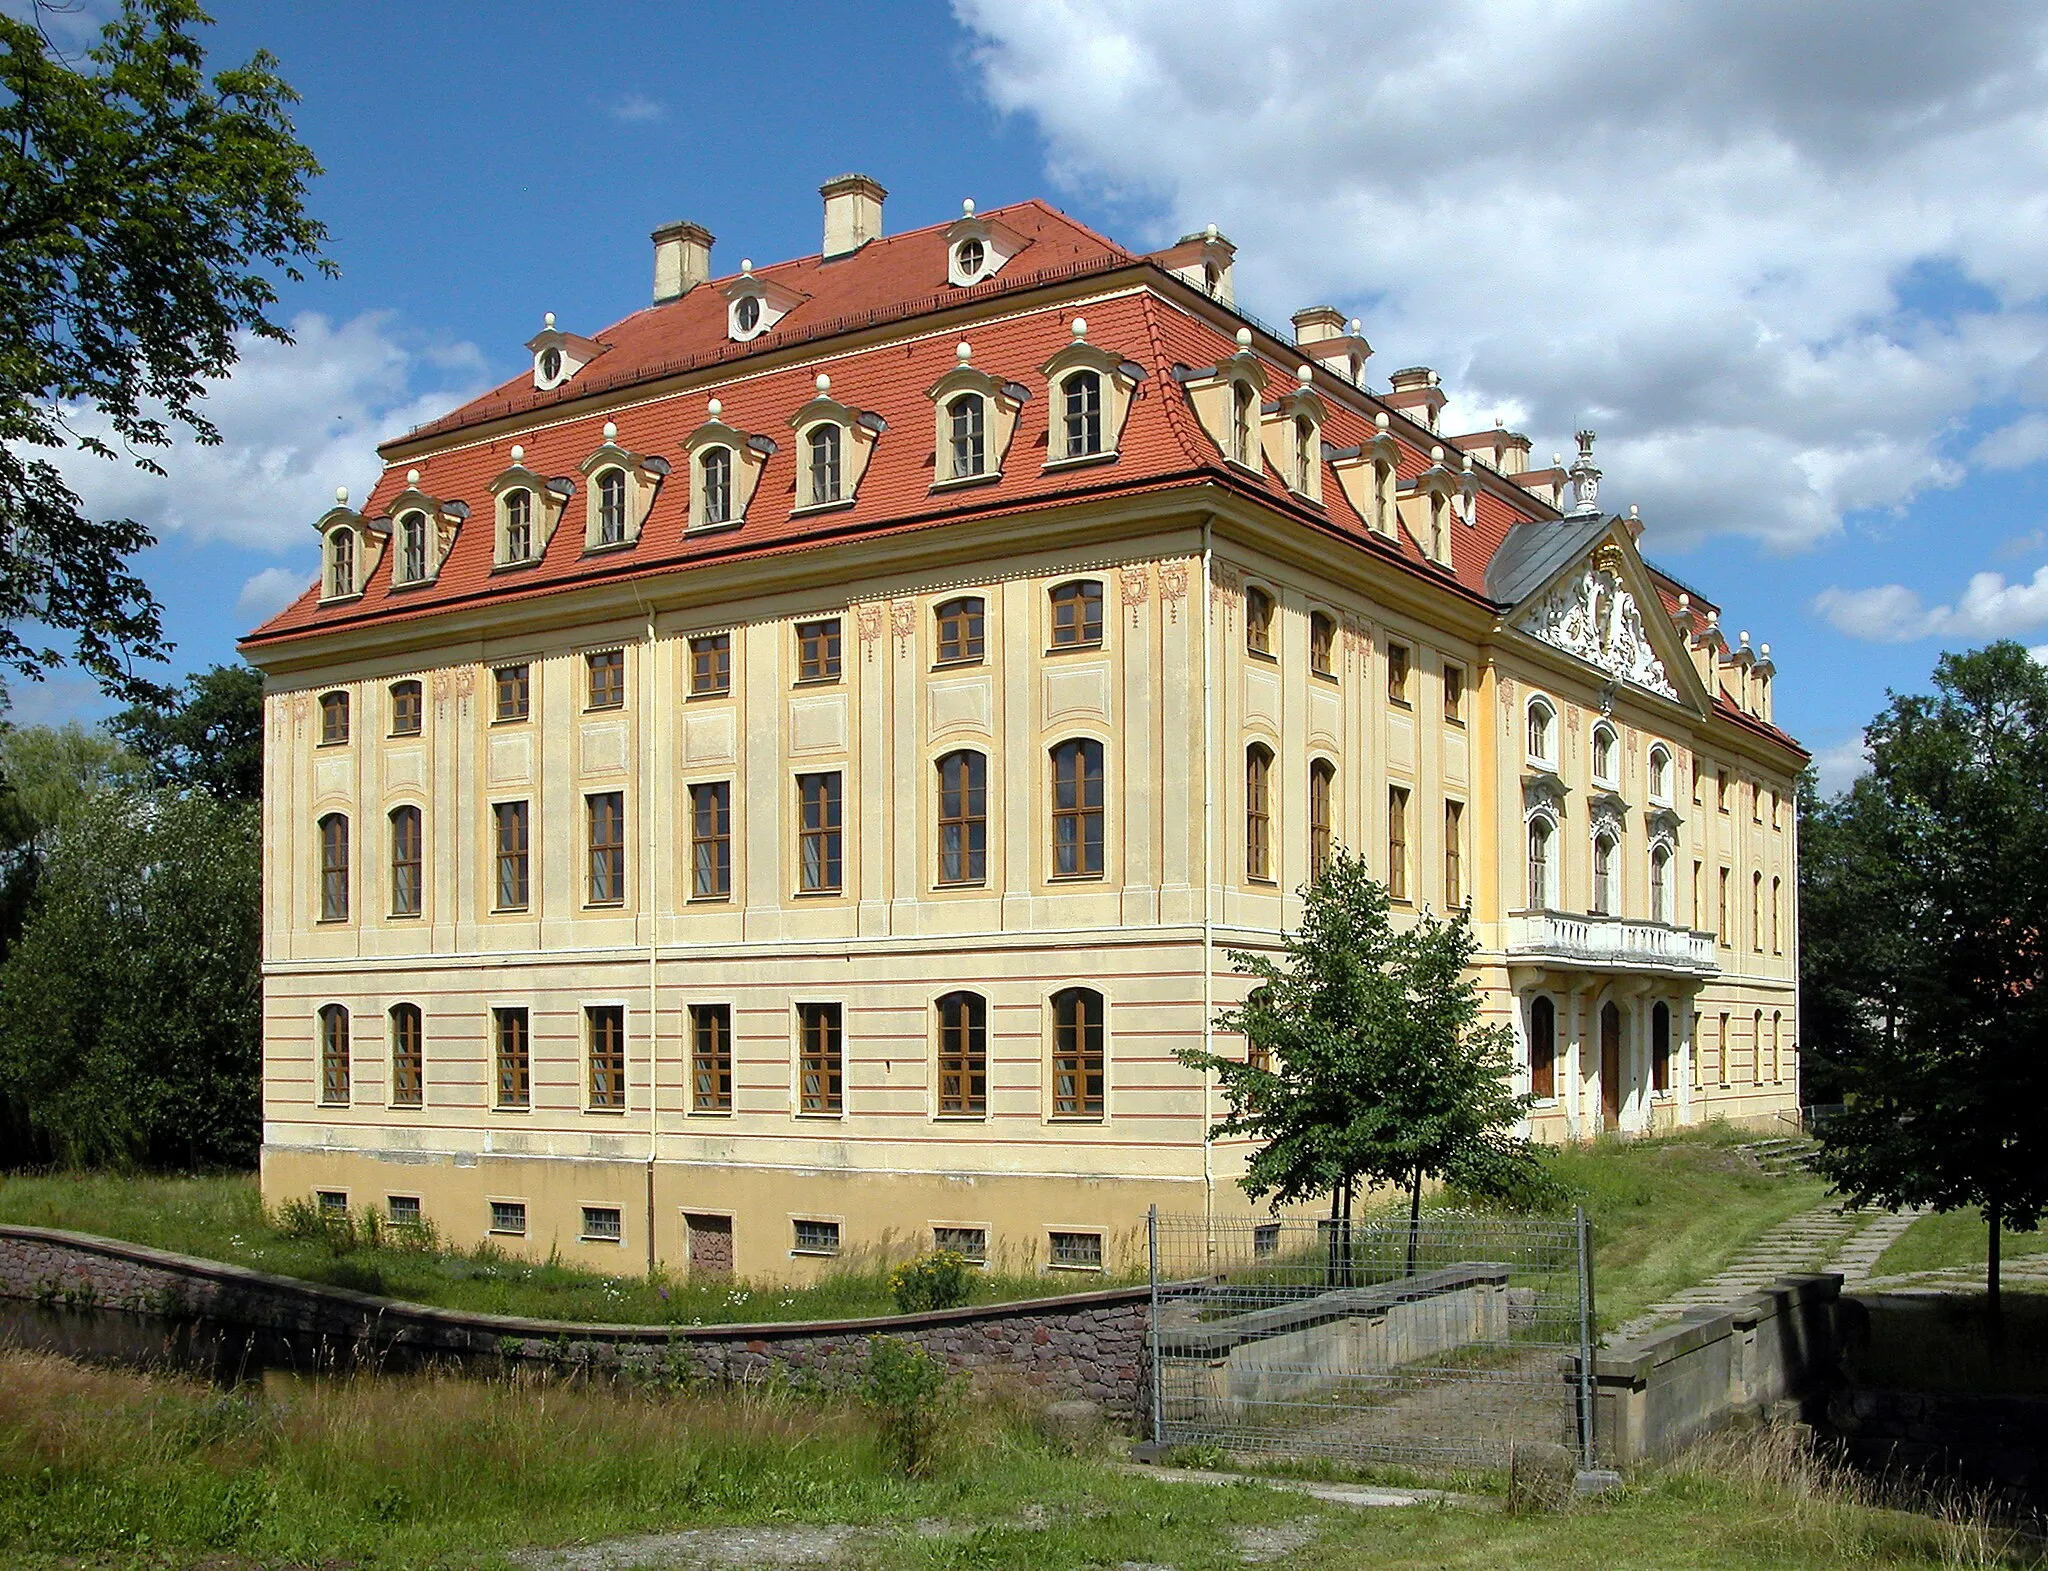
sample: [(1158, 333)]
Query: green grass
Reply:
[(1955, 1240), (222, 1218), (107, 1470)]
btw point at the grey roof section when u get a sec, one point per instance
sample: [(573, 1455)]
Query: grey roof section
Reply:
[(1534, 552)]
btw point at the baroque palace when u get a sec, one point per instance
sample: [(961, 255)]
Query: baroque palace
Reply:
[(778, 781)]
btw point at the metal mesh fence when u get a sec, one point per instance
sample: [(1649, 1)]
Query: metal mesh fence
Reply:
[(1449, 1344)]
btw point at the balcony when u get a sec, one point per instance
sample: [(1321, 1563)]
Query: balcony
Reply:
[(1608, 943)]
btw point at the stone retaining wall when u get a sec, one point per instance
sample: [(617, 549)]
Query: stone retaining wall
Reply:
[(1089, 1345)]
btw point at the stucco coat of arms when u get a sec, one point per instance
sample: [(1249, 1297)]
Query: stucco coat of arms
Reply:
[(1594, 616)]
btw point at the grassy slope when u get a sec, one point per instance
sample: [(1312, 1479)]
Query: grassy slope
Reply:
[(1954, 1239), (106, 1469)]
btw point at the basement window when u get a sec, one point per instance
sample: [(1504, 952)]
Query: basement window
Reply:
[(816, 1238), (1077, 1251), (509, 1216), (601, 1225)]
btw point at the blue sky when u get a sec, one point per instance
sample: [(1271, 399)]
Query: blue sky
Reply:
[(1794, 278)]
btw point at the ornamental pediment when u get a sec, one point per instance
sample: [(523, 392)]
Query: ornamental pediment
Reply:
[(1592, 613)]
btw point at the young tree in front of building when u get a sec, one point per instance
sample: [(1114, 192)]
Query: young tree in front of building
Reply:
[(1927, 884), (145, 211), (1368, 1062)]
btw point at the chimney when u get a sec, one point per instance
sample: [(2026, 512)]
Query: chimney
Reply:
[(853, 213), (1316, 323), (682, 259)]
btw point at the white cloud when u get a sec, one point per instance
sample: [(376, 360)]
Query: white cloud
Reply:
[(1990, 607), (270, 591), (637, 109), (1706, 231), (2015, 446), (296, 421), (1838, 767)]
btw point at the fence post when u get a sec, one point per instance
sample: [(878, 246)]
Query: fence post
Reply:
[(1152, 1330), (1586, 1410)]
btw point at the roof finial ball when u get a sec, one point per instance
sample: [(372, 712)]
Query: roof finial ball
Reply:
[(714, 409), (1211, 232), (518, 454), (1244, 338), (963, 351), (341, 496), (1304, 375), (746, 264), (547, 320), (412, 477), (1080, 328), (824, 384), (967, 207), (611, 431)]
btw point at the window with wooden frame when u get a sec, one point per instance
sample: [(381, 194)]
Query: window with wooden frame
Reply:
[(1727, 939), (1454, 695), (509, 839), (334, 1066), (711, 1058), (611, 507), (606, 811), (1307, 454), (1660, 1047), (822, 470), (966, 436), (511, 693), (1081, 414), (1397, 842), (1777, 1047), (607, 671), (711, 665), (1542, 733), (714, 484), (1660, 884), (408, 1056), (1454, 855), (1541, 832), (1397, 675), (1660, 773), (512, 1052), (1258, 813), (963, 1056), (1322, 838), (1721, 1052), (1756, 803), (1777, 908), (818, 833), (1258, 622), (405, 861), (1721, 791), (333, 719), (1756, 912), (1243, 446), (1756, 1050), (406, 709), (604, 1031), (960, 631), (821, 1083), (1322, 644), (341, 563), (516, 510), (963, 818), (334, 868), (1077, 614), (711, 840), (1077, 796), (1542, 1049), (1077, 1053), (1258, 1055), (817, 651), (1603, 876), (1606, 755)]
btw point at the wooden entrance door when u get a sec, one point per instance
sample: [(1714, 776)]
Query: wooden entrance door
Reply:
[(1610, 1067), (710, 1245)]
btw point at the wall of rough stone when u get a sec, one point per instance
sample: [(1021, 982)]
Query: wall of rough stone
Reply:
[(85, 1291)]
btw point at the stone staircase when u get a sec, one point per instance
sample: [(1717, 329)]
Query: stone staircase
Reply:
[(1781, 1155)]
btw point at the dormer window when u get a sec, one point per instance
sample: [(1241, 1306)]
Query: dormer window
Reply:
[(1305, 443), (753, 305), (967, 421), (550, 365), (969, 258), (821, 466), (611, 507), (1081, 397), (725, 466), (516, 507), (622, 488), (341, 563), (1092, 392), (975, 417), (558, 356), (714, 484), (1242, 399), (746, 314), (834, 443), (412, 547), (977, 248)]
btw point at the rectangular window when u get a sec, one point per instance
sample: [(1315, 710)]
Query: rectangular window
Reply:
[(710, 1058), (1543, 1050), (513, 1051), (1721, 913), (711, 665), (1756, 803), (1397, 674), (1077, 797), (509, 830), (607, 678), (334, 1061), (405, 709), (1077, 615), (1454, 855), (605, 1026), (1077, 1054), (403, 1210), (821, 1088), (711, 840), (332, 1200), (509, 1216), (1258, 815), (511, 694), (963, 1056), (408, 1056), (818, 842), (334, 868), (1454, 695), (1699, 892), (333, 719), (1397, 843), (601, 1225), (405, 861), (963, 818), (817, 651), (607, 812), (1721, 790), (1721, 1053), (969, 1241), (1322, 776), (816, 1238), (1077, 1251), (1265, 1240), (961, 640)]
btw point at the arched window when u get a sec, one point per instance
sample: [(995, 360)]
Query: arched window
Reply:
[(1258, 813), (1604, 754), (746, 313), (408, 1057), (333, 1055), (963, 1056), (1077, 809), (1258, 621), (1542, 732), (1660, 884), (963, 818), (1756, 912), (1081, 414), (334, 868), (968, 257), (1077, 1058), (406, 709), (611, 507), (405, 861), (822, 445), (341, 562), (1077, 614), (960, 631), (517, 506), (714, 485), (333, 719), (412, 548), (1436, 529), (967, 447), (1241, 400), (1322, 791), (1540, 884), (1542, 1049), (1306, 445), (1660, 774), (1212, 279), (1756, 1050), (1603, 875), (1660, 1047), (1777, 906), (1777, 1046), (1322, 643)]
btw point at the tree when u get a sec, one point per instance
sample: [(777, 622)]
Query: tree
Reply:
[(1933, 872), (1368, 1061), (130, 1010), (46, 775), (143, 211), (209, 738)]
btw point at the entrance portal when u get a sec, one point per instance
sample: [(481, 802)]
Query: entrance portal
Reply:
[(1610, 1067)]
